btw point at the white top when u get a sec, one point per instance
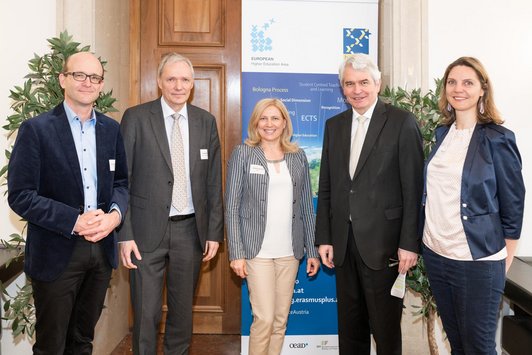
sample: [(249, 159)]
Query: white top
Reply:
[(444, 232), (277, 241)]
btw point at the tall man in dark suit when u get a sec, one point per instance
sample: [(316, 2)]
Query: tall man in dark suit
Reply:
[(175, 219), (369, 192), (68, 179)]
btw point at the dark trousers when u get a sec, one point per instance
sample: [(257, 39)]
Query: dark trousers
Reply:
[(68, 308), (468, 295), (178, 257), (365, 306)]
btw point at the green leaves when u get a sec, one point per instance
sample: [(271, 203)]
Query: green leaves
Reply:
[(41, 91), (417, 281), (19, 309), (423, 106)]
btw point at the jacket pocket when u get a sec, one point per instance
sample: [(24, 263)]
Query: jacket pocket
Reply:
[(393, 213)]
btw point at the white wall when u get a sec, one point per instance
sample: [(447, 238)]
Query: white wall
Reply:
[(498, 33), (24, 28)]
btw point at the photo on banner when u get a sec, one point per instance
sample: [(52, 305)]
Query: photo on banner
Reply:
[(291, 50)]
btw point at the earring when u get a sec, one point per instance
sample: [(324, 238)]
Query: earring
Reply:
[(481, 106), (449, 107)]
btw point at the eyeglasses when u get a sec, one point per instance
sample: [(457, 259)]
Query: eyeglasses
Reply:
[(81, 76)]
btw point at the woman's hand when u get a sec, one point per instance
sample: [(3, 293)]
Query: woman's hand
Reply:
[(239, 267), (313, 265)]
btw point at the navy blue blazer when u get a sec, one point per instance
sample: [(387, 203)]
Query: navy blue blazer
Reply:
[(45, 188), (492, 192)]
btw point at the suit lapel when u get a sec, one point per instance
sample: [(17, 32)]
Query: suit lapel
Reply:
[(476, 138), (343, 134), (259, 154), (378, 119), (66, 143), (159, 131), (101, 164), (289, 157), (440, 136), (194, 138)]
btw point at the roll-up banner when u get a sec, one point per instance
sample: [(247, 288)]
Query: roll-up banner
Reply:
[(291, 50)]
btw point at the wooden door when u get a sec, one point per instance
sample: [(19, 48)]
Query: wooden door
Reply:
[(208, 33)]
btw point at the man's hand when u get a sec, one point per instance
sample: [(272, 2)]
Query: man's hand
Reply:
[(100, 225), (407, 259), (211, 248), (83, 220), (126, 248), (326, 254), (239, 267), (313, 265)]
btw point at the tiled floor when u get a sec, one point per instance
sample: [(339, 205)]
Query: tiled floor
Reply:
[(201, 344)]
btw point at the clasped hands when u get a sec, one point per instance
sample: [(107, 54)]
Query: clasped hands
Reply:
[(96, 224)]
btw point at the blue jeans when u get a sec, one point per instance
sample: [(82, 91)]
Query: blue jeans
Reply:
[(468, 295)]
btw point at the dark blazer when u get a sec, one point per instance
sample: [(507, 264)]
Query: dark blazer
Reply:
[(382, 198), (45, 188), (492, 190), (151, 177), (246, 196)]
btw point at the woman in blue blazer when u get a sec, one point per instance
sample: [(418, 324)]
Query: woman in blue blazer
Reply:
[(473, 208), (270, 221)]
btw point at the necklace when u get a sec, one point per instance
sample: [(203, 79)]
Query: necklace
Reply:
[(275, 161)]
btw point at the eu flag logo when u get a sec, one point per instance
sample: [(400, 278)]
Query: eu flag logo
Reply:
[(356, 40)]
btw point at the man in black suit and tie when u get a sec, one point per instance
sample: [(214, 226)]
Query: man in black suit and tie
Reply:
[(175, 219), (68, 179), (368, 205)]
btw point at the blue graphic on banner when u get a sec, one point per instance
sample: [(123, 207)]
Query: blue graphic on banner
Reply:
[(260, 42), (310, 99), (356, 40)]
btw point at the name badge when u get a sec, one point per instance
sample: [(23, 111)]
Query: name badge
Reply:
[(112, 164), (204, 154), (256, 169)]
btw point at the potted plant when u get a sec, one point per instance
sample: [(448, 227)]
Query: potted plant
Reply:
[(40, 93), (425, 108)]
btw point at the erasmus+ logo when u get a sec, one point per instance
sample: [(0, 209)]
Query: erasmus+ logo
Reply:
[(356, 40), (260, 42)]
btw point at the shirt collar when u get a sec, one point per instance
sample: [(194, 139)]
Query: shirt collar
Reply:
[(71, 115), (167, 110), (366, 114)]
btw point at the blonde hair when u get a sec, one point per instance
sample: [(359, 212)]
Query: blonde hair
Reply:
[(254, 138), (490, 114)]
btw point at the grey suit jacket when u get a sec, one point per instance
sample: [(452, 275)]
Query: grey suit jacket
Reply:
[(246, 196), (151, 178)]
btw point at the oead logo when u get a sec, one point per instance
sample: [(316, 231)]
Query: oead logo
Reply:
[(298, 345)]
